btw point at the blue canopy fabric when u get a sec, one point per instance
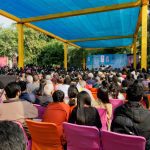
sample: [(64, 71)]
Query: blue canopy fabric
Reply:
[(110, 23)]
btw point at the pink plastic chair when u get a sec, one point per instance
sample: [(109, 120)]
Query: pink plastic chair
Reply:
[(116, 103), (102, 113), (29, 142), (115, 141), (81, 137), (41, 110)]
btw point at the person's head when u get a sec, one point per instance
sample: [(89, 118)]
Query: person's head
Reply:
[(11, 136), (135, 92), (40, 91), (72, 91), (35, 78), (29, 79), (113, 91), (58, 96), (83, 98), (72, 94), (48, 89), (102, 94), (67, 81), (90, 75), (12, 90), (23, 85)]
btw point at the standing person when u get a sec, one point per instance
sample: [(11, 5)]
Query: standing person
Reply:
[(84, 113), (131, 118)]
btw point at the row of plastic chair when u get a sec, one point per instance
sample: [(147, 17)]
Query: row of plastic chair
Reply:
[(90, 138), (102, 112), (45, 137)]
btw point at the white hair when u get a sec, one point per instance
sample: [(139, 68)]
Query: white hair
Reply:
[(48, 89), (90, 75), (29, 79)]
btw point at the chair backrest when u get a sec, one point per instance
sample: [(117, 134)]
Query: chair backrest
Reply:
[(44, 136), (111, 140), (41, 110), (103, 116), (81, 137), (94, 92), (29, 142), (116, 103)]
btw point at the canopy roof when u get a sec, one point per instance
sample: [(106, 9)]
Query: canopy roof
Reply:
[(86, 23)]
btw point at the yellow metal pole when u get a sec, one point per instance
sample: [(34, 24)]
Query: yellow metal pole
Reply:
[(84, 63), (134, 55), (65, 55), (20, 45), (144, 34)]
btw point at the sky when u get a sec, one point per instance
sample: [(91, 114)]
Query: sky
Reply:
[(5, 22)]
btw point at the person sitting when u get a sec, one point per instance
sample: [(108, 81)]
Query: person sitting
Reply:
[(13, 108), (72, 94), (64, 87), (44, 93), (57, 112), (90, 80), (12, 136), (24, 94), (84, 113), (131, 118), (103, 102)]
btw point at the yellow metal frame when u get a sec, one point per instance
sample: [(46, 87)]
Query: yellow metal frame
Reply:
[(144, 34), (100, 38), (82, 12), (106, 48), (142, 19), (134, 49), (10, 16), (65, 55), (20, 46)]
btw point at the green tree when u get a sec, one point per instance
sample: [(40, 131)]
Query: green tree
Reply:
[(51, 54)]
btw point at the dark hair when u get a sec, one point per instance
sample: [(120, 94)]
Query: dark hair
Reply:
[(58, 96), (40, 91), (72, 91), (1, 85), (102, 94), (12, 89), (22, 84), (83, 98), (113, 90), (135, 92), (11, 136), (72, 94), (67, 81)]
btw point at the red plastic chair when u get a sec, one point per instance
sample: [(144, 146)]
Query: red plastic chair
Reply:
[(103, 116), (41, 110), (94, 92), (116, 141), (81, 137), (44, 136)]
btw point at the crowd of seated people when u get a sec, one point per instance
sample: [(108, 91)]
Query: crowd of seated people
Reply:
[(67, 97)]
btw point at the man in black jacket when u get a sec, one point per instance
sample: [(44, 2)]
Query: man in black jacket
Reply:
[(131, 118)]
